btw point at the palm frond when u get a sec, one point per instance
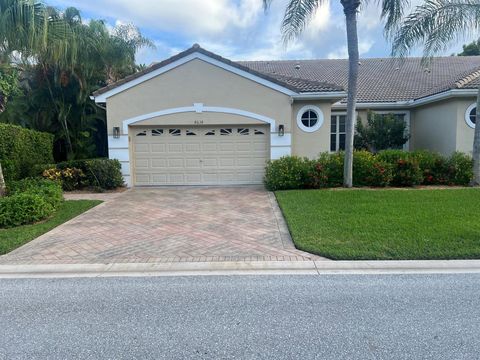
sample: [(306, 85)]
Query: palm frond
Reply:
[(297, 16), (437, 24)]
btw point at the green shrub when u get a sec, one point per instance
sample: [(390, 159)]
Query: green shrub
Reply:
[(104, 173), (288, 172), (369, 171), (50, 191), (70, 178), (333, 163), (21, 149), (460, 169), (392, 156), (23, 208), (406, 173), (433, 166)]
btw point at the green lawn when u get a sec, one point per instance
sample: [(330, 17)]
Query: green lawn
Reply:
[(385, 224), (11, 239)]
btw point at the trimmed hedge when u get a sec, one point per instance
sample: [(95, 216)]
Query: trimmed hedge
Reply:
[(21, 149), (387, 168), (29, 201), (102, 174)]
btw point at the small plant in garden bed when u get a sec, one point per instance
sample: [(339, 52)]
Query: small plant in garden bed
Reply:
[(98, 174)]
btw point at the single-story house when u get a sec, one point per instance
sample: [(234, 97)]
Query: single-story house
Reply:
[(200, 119)]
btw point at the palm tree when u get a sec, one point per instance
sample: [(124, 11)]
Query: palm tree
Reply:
[(297, 16), (436, 24)]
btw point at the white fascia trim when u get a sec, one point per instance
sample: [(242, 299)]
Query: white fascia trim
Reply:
[(103, 97), (215, 109), (380, 105), (411, 103), (320, 95), (444, 95)]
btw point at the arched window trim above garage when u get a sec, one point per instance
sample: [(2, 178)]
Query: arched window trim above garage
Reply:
[(199, 108), (468, 112), (319, 122)]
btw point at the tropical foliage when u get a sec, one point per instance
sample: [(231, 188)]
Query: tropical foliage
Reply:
[(381, 132), (436, 24), (58, 69), (298, 14), (471, 49)]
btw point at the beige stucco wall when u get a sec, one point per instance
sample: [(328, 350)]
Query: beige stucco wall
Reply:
[(434, 127), (464, 132), (198, 82), (311, 144)]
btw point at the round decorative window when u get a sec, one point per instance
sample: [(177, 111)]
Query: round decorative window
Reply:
[(470, 115), (309, 118)]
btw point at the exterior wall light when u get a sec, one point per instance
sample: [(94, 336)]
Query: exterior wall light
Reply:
[(281, 130), (116, 132)]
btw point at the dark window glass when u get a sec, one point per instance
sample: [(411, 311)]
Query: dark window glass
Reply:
[(341, 142), (473, 114), (341, 125), (333, 124), (309, 118), (333, 142)]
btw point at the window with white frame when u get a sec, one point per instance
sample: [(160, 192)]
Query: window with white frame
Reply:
[(471, 115), (337, 132)]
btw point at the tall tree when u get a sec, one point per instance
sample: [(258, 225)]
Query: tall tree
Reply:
[(436, 24), (472, 49), (57, 84), (297, 16)]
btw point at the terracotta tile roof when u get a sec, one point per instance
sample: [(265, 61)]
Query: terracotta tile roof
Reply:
[(383, 79)]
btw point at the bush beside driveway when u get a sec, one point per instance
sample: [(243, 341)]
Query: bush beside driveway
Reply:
[(384, 224)]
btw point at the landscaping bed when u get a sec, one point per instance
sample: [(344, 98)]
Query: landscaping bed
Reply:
[(13, 238), (384, 224)]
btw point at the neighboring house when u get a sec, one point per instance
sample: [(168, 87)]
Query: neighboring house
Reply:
[(200, 119)]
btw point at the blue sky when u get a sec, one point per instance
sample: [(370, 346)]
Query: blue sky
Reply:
[(236, 29)]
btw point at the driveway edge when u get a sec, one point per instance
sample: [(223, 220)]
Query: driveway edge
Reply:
[(240, 268)]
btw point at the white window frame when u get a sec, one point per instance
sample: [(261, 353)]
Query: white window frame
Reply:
[(467, 115), (406, 146), (337, 133), (317, 111)]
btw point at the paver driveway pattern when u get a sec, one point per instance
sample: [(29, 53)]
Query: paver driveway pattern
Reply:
[(169, 224)]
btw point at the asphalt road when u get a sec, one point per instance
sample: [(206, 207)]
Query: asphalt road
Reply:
[(242, 317)]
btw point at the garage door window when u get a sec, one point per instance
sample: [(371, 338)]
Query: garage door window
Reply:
[(143, 133), (210, 133), (191, 133), (157, 132), (225, 131), (175, 132), (259, 132), (243, 131)]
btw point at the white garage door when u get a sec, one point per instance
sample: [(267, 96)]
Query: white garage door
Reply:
[(218, 155)]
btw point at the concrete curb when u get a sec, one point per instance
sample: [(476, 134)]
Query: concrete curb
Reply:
[(240, 268)]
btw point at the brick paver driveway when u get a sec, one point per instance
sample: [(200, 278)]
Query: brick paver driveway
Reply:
[(169, 224)]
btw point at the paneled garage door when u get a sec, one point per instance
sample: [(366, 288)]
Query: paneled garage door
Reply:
[(218, 155)]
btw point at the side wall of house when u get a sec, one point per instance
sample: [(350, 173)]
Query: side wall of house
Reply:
[(464, 132), (434, 127), (311, 144)]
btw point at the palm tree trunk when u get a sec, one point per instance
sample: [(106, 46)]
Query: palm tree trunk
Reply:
[(350, 8), (476, 145), (2, 182)]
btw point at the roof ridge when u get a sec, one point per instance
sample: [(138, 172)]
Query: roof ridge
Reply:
[(315, 82), (467, 79)]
